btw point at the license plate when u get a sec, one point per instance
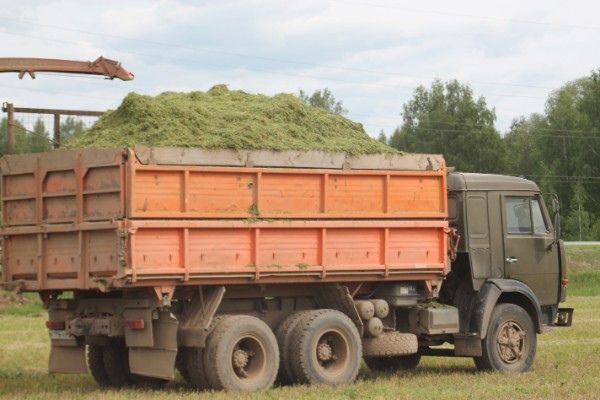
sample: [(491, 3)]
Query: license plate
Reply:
[(60, 335)]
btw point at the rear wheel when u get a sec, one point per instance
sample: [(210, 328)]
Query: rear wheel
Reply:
[(393, 364), (241, 354), (95, 359), (325, 348), (116, 363), (194, 361), (510, 343), (284, 336), (115, 357), (181, 364)]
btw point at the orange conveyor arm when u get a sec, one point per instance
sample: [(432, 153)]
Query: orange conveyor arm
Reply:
[(101, 66)]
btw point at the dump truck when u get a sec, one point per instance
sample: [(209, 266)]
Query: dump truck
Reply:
[(241, 268)]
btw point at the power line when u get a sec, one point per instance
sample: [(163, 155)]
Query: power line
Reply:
[(449, 131), (469, 16), (246, 55), (408, 89), (44, 135)]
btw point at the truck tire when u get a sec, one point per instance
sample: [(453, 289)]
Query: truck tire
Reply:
[(241, 354), (116, 363), (325, 348), (390, 344), (194, 360), (510, 343), (283, 333), (393, 364), (181, 364), (95, 359)]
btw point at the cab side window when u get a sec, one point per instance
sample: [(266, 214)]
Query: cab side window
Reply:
[(524, 216), (518, 215)]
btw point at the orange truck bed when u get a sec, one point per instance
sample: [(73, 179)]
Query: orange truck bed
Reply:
[(111, 218)]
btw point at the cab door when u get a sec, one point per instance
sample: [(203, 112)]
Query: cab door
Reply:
[(530, 252)]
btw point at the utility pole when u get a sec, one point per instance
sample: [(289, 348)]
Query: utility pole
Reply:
[(10, 128), (56, 130), (579, 215)]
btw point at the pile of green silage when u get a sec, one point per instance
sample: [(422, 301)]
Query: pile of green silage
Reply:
[(226, 119)]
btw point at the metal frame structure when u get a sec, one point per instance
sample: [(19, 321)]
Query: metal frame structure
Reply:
[(101, 66), (10, 111)]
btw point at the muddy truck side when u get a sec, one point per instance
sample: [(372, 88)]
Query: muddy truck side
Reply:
[(243, 268)]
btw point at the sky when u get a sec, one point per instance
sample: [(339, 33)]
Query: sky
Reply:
[(370, 54)]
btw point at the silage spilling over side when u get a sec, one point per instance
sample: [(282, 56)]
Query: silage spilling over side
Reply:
[(224, 119)]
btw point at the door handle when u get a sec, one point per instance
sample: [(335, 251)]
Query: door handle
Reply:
[(511, 260)]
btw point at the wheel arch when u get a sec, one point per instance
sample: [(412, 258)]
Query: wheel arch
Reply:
[(508, 291)]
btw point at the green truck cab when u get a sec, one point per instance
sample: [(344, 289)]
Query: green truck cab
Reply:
[(509, 275)]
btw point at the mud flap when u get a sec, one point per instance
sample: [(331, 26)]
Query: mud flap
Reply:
[(67, 360), (157, 361), (467, 345)]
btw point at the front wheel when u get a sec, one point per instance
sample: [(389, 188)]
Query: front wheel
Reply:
[(511, 341)]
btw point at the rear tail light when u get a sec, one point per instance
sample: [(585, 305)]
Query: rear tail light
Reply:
[(134, 323), (56, 325)]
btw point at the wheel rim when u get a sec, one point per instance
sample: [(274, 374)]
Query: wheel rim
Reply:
[(511, 342), (248, 358), (332, 353)]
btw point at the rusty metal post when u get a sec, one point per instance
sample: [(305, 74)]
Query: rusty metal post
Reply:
[(10, 129), (56, 130)]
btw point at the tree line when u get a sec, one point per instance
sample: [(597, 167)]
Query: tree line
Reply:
[(37, 138), (559, 148)]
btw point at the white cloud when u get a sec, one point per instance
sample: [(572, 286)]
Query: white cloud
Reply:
[(371, 54)]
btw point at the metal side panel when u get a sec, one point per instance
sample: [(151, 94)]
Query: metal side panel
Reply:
[(188, 191), (62, 256), (287, 159), (188, 251), (63, 186)]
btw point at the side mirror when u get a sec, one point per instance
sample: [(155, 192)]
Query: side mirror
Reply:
[(555, 210), (557, 232), (555, 204)]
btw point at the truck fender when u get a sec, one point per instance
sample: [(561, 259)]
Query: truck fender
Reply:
[(490, 293)]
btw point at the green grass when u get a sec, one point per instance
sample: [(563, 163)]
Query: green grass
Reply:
[(567, 364), (566, 367), (584, 270), (26, 304)]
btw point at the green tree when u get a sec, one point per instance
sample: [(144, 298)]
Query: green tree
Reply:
[(522, 147), (38, 139), (21, 137), (323, 99), (579, 223), (69, 127), (448, 119), (382, 137), (560, 149)]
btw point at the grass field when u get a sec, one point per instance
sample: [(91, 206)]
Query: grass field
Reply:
[(567, 364)]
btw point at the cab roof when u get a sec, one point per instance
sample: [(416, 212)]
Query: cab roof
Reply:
[(474, 181)]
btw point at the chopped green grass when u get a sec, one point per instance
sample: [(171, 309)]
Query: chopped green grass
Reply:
[(227, 119)]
